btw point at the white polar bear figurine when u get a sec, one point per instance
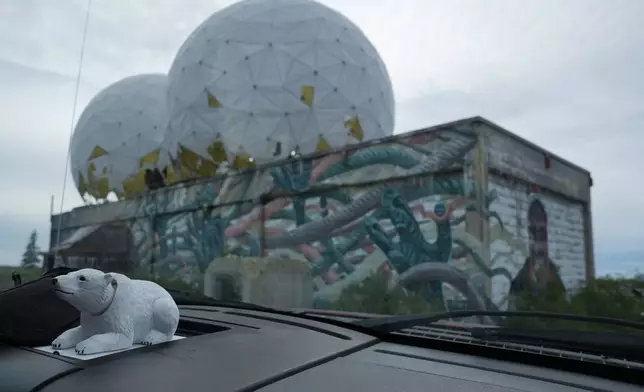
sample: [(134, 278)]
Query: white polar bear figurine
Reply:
[(115, 311)]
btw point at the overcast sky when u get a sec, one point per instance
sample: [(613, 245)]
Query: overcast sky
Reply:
[(568, 75)]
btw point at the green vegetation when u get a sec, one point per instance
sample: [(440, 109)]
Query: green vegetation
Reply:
[(31, 258), (620, 298), (26, 274), (607, 297), (29, 265), (372, 296)]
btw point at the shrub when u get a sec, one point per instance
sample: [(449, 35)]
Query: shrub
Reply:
[(606, 297), (372, 296)]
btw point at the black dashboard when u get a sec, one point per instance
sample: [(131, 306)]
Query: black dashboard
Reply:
[(228, 349)]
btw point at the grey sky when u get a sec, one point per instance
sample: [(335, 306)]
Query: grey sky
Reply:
[(568, 75)]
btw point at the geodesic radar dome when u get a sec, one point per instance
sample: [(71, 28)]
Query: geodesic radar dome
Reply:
[(119, 135), (263, 78)]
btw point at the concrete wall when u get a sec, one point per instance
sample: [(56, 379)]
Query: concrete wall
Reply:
[(565, 235), (515, 167), (429, 199), (523, 160)]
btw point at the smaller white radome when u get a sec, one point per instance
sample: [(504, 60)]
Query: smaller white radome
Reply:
[(264, 78), (119, 135)]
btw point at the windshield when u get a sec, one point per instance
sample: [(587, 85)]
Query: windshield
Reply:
[(387, 158)]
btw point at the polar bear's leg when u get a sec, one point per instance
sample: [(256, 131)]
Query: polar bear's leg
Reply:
[(155, 337), (165, 319), (68, 339), (104, 342)]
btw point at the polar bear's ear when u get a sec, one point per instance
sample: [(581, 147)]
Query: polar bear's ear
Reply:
[(109, 279)]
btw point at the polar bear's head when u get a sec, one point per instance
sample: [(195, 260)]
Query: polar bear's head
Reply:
[(88, 290)]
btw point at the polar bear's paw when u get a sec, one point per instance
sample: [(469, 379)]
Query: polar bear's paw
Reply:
[(68, 339), (155, 337), (102, 343), (90, 346), (63, 342)]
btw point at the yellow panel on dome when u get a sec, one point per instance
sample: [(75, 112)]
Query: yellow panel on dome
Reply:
[(134, 185), (188, 158), (102, 188), (170, 176), (207, 168), (193, 163), (151, 158), (186, 173), (217, 151), (91, 168), (242, 161), (213, 102), (98, 151), (322, 145), (98, 187), (82, 185), (354, 127), (306, 95)]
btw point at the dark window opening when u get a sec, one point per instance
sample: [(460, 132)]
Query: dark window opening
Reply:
[(226, 288)]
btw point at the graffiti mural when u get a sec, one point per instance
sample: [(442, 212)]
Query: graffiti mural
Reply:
[(538, 270), (416, 207), (545, 243)]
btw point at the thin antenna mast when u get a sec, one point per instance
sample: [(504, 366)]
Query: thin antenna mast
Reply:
[(71, 125)]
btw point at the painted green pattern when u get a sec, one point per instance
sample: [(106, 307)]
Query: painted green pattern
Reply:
[(349, 231)]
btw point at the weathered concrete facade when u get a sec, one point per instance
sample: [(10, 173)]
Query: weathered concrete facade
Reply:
[(466, 201)]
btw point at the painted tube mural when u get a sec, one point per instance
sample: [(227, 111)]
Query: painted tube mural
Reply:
[(412, 209)]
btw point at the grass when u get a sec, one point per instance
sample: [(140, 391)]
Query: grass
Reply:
[(27, 274)]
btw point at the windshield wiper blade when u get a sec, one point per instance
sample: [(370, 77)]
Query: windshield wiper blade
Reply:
[(187, 298), (600, 342), (397, 323)]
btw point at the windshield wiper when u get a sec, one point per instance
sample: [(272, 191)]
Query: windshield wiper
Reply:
[(188, 298), (397, 323)]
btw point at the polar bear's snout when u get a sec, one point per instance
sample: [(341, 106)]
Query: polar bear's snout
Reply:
[(61, 288)]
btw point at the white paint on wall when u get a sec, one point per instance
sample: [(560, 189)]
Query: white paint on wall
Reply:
[(565, 235)]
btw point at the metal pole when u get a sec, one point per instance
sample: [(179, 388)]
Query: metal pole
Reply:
[(71, 125)]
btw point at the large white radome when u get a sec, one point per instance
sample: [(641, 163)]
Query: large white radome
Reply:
[(263, 73), (118, 135)]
